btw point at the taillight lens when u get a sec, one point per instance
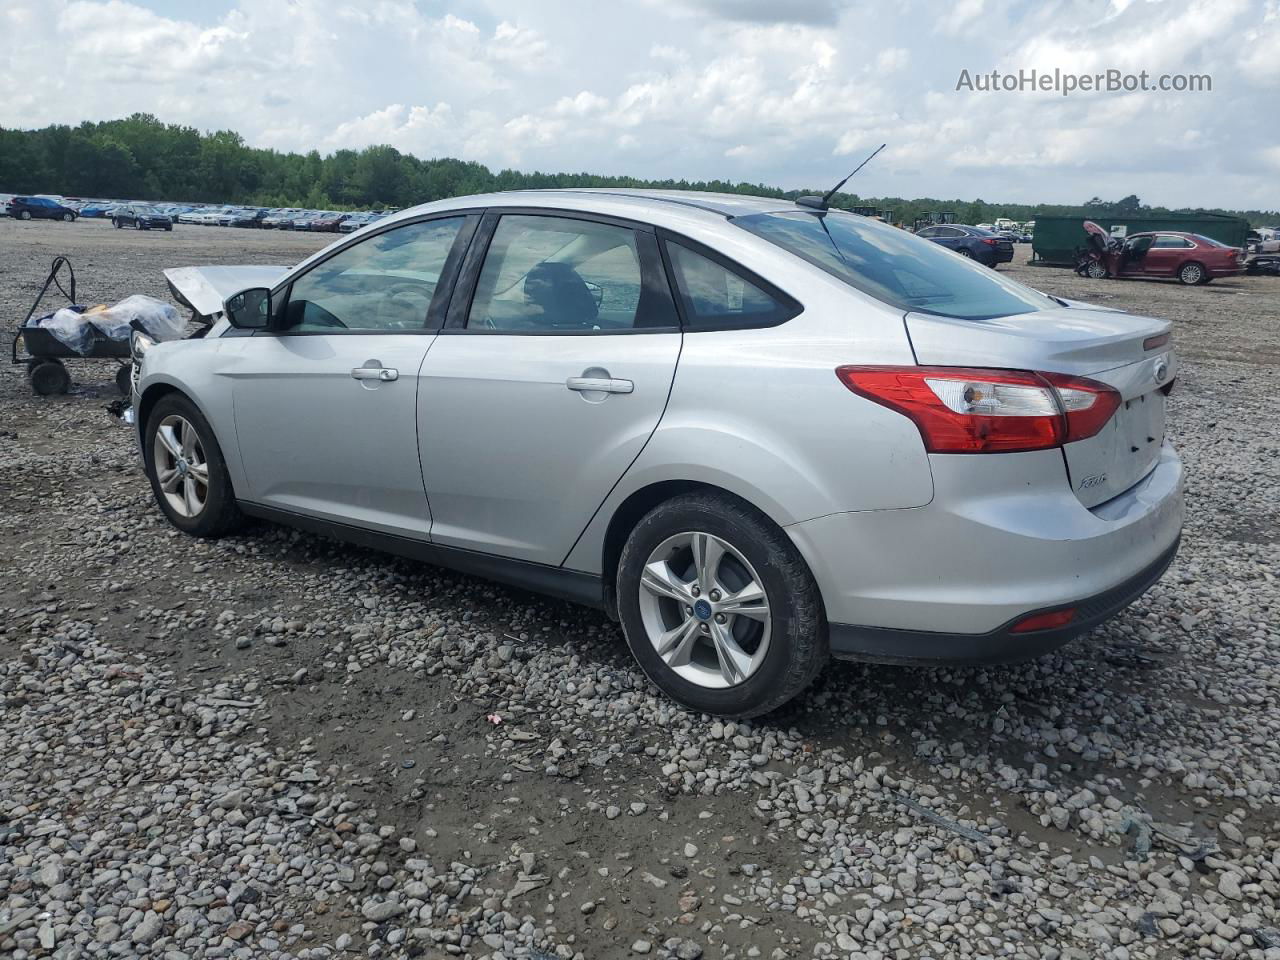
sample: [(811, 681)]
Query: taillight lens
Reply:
[(964, 410), (990, 241)]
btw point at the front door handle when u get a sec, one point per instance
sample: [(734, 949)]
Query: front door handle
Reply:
[(375, 373), (599, 385)]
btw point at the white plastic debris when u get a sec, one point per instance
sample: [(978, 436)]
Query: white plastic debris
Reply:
[(70, 327), (160, 320)]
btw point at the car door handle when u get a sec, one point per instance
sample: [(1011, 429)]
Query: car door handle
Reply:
[(375, 373), (599, 385)]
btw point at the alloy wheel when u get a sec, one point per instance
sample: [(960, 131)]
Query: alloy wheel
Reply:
[(181, 467), (705, 610)]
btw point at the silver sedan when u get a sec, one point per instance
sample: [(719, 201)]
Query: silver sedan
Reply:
[(758, 433)]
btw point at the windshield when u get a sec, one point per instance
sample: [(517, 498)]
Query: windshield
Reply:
[(896, 267)]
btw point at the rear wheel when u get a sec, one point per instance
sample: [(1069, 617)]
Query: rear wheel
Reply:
[(187, 471), (1191, 273), (718, 607), (137, 225), (49, 377), (25, 215), (115, 223)]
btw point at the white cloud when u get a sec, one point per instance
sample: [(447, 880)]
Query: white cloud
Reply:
[(787, 93)]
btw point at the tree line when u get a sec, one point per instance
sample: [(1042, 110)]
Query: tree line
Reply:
[(142, 158)]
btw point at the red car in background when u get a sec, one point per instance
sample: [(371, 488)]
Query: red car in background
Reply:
[(1191, 257)]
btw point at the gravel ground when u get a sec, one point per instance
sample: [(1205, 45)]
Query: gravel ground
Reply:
[(279, 746)]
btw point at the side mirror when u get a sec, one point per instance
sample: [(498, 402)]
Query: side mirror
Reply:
[(249, 310)]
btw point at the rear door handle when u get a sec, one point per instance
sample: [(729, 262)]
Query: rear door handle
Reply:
[(599, 385), (375, 373)]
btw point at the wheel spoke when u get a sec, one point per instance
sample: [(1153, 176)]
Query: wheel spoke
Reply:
[(168, 479), (707, 551), (189, 439), (750, 601), (734, 661), (200, 471), (676, 645), (169, 440), (191, 496), (659, 580)]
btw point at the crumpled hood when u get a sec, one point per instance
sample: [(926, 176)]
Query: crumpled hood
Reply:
[(205, 289)]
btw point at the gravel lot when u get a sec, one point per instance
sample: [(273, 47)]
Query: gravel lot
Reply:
[(276, 745)]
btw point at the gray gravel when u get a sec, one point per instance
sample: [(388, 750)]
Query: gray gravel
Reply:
[(280, 746)]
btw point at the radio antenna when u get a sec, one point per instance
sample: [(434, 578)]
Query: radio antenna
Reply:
[(823, 202)]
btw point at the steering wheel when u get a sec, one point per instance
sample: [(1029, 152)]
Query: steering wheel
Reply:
[(417, 293)]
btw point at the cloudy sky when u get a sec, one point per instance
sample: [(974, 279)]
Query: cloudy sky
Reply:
[(788, 92)]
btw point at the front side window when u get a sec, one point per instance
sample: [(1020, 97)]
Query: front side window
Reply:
[(384, 283), (546, 274), (894, 266)]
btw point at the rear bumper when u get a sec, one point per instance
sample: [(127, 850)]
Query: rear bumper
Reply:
[(1004, 537), (886, 645), (1233, 271)]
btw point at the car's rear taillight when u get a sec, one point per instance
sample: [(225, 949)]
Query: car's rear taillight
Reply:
[(965, 410), (991, 241)]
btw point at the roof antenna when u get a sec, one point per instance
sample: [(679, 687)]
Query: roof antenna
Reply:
[(824, 201)]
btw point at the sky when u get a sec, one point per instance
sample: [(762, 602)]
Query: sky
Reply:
[(792, 93)]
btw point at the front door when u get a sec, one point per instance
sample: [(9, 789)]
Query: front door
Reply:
[(1167, 253), (326, 401), (537, 397)]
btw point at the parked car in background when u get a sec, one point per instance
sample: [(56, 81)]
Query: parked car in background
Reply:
[(4, 202), (355, 221), (920, 482), (39, 208), (281, 219), (328, 222), (307, 222), (1264, 240), (193, 215), (140, 216), (1191, 257), (974, 242), (249, 217)]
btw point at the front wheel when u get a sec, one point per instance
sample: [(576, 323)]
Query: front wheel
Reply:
[(1191, 274), (115, 223), (187, 471), (68, 217), (965, 252), (137, 225), (718, 607), (1096, 270)]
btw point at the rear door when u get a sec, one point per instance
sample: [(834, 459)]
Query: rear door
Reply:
[(326, 401), (552, 373)]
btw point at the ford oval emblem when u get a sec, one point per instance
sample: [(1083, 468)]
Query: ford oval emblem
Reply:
[(1162, 370)]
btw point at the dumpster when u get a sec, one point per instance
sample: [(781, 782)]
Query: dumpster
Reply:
[(1057, 239)]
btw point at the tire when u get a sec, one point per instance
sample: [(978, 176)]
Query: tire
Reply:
[(169, 228), (1096, 270), (115, 223), (137, 225), (49, 377), (68, 217), (124, 379), (1191, 273), (215, 515), (965, 252), (777, 655), (25, 215)]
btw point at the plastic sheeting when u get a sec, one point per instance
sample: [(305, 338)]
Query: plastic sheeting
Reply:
[(77, 328)]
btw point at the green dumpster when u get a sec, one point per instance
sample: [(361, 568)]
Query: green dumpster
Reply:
[(1056, 239)]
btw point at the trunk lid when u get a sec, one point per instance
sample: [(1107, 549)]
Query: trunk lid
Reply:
[(1109, 346)]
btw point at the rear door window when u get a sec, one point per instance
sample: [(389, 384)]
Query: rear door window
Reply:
[(717, 296)]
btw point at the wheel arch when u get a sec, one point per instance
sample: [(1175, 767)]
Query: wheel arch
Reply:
[(632, 510), (157, 390)]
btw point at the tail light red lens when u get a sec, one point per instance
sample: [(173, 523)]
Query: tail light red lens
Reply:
[(990, 241), (966, 410), (1044, 621)]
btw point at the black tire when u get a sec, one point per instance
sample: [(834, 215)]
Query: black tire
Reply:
[(68, 217), (24, 215), (124, 379), (137, 225), (1192, 273), (49, 377), (965, 252), (220, 514), (169, 228), (798, 648), (1096, 270), (115, 223)]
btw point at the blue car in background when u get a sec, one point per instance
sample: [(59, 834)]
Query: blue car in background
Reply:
[(39, 208), (976, 243)]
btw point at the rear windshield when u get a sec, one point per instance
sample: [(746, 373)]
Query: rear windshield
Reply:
[(894, 266), (1208, 241)]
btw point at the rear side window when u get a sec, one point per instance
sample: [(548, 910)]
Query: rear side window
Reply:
[(717, 297), (894, 266)]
